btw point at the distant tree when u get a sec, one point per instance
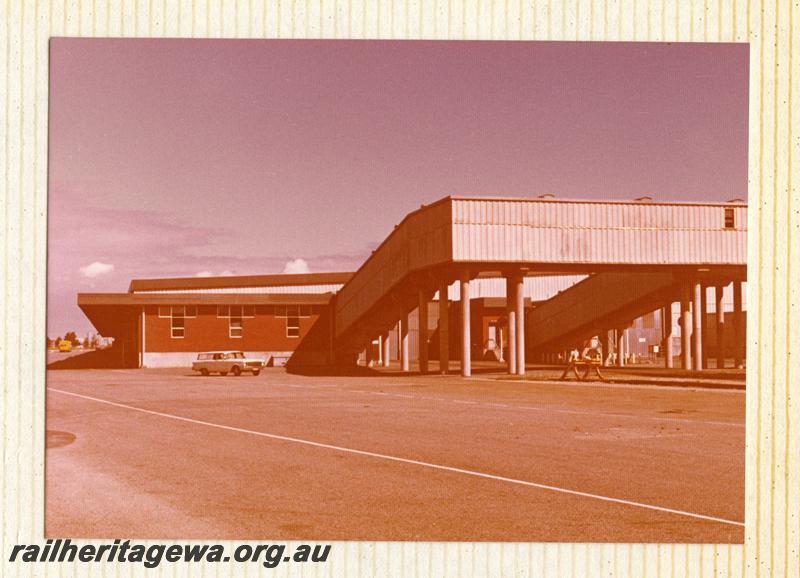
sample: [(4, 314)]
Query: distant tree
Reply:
[(72, 337), (49, 343), (93, 342), (86, 342)]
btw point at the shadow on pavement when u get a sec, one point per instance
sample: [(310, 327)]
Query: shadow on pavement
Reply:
[(361, 371), (333, 370), (107, 358)]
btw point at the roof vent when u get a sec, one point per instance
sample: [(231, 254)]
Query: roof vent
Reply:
[(546, 196), (644, 199), (736, 200)]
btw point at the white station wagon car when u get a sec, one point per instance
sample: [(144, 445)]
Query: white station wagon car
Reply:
[(224, 362)]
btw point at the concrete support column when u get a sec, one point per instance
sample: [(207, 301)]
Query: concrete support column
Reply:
[(738, 355), (422, 332), (332, 333), (608, 347), (466, 337), (666, 325), (620, 349), (143, 347), (704, 325), (697, 330), (511, 304), (686, 328), (720, 315), (501, 343), (403, 339), (444, 328), (520, 315), (368, 354), (385, 349)]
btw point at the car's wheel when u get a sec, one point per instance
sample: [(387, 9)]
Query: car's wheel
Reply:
[(204, 372), (256, 371), (223, 373), (236, 370)]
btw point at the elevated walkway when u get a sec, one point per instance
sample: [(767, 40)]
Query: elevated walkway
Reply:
[(466, 238), (600, 302)]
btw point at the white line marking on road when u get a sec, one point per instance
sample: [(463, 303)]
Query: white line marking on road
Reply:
[(407, 461)]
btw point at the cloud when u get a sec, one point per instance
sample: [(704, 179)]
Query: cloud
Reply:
[(210, 274), (296, 266), (146, 244), (96, 269)]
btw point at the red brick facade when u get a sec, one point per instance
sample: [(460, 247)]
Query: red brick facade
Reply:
[(265, 331)]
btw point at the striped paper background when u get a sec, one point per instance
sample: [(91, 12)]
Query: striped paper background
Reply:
[(772, 538)]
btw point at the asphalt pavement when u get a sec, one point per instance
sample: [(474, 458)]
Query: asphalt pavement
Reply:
[(166, 454)]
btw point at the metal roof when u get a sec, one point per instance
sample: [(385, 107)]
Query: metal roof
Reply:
[(94, 299), (645, 200), (238, 281), (255, 289)]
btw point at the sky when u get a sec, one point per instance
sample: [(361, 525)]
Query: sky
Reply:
[(171, 158)]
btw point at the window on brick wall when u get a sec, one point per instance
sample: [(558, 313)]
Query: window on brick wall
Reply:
[(292, 327), (235, 327), (177, 311), (177, 315), (293, 311), (241, 311), (178, 324)]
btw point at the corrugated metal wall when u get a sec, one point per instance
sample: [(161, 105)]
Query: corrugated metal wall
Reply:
[(595, 232), (535, 288), (544, 232)]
